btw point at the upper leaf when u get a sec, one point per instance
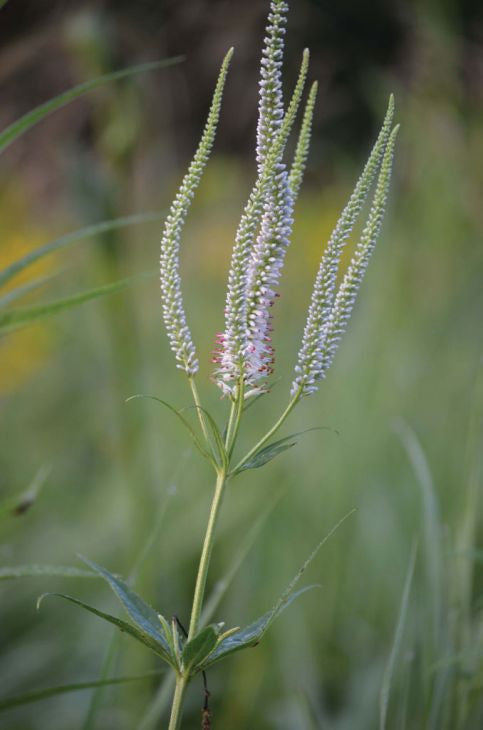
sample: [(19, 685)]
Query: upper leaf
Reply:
[(267, 453)]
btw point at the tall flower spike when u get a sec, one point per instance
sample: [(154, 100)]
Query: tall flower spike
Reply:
[(318, 356), (303, 143), (233, 342), (270, 108), (173, 310), (267, 255), (325, 283)]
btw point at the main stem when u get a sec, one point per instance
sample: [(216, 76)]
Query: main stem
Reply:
[(206, 555), (177, 706)]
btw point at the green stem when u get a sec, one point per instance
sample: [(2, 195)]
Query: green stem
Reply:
[(199, 410), (269, 433), (177, 706), (235, 416), (206, 555)]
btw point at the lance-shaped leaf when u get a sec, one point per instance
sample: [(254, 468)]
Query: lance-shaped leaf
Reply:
[(183, 420), (26, 122), (196, 651), (137, 633), (143, 615), (252, 634), (267, 453), (14, 319), (68, 239)]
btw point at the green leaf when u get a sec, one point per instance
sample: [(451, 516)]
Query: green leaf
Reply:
[(267, 453), (14, 319), (23, 289), (35, 570), (2, 3), (396, 644), (198, 649), (183, 420), (43, 694), (137, 633), (22, 125), (217, 436), (252, 634), (143, 615), (74, 236)]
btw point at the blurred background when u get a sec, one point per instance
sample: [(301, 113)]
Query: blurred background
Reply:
[(402, 406)]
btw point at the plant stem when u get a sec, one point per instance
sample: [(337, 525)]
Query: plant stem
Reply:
[(199, 410), (206, 555), (269, 433), (177, 706), (235, 416)]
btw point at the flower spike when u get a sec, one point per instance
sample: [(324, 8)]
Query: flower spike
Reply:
[(319, 345), (234, 348), (173, 310)]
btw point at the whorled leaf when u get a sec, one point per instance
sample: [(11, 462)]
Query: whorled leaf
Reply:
[(179, 414), (267, 453), (252, 634), (141, 613), (136, 632), (196, 650)]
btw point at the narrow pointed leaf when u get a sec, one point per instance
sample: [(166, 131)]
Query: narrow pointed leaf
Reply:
[(396, 644), (22, 125), (32, 571), (143, 615), (179, 414), (267, 453), (217, 436), (74, 236), (142, 636), (14, 319), (42, 694), (252, 634), (196, 650)]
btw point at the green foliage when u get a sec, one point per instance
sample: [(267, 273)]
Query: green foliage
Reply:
[(29, 120), (43, 694)]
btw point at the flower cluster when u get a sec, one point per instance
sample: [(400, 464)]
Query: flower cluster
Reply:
[(173, 310), (329, 312), (244, 354)]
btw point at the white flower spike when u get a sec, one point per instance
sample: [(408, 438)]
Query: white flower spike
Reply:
[(174, 316)]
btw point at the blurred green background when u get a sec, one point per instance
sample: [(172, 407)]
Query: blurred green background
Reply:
[(403, 404)]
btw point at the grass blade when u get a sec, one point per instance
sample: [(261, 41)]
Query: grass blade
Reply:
[(37, 570), (15, 319), (43, 694), (33, 117), (78, 235), (396, 644)]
